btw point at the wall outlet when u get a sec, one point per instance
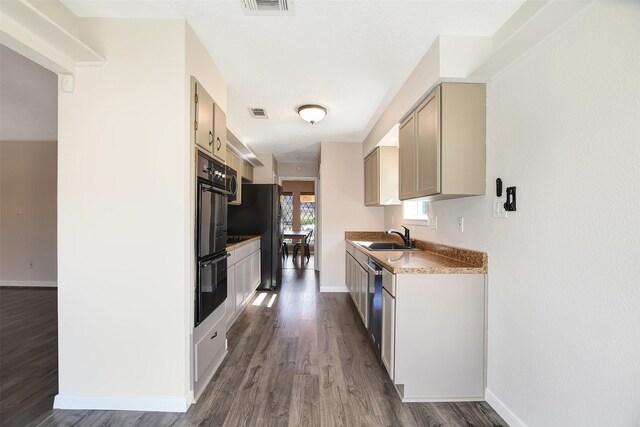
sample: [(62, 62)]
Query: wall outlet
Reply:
[(433, 223), (30, 264), (498, 208), (460, 224)]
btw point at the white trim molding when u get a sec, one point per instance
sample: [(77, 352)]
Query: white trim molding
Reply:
[(123, 403), (28, 284), (503, 410)]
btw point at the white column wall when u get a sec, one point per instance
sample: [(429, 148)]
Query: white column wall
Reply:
[(121, 221), (341, 209)]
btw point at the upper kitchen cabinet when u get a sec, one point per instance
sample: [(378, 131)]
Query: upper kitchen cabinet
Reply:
[(210, 122), (247, 171), (381, 177), (219, 132), (442, 144)]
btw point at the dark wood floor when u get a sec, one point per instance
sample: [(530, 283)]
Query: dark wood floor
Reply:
[(304, 361), (28, 354), (291, 262)]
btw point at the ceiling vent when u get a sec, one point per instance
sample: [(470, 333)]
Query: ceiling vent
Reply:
[(267, 7), (258, 113)]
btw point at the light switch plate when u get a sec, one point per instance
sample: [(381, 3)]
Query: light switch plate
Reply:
[(498, 208), (433, 223), (460, 224)]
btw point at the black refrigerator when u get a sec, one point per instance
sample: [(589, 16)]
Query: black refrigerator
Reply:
[(260, 214)]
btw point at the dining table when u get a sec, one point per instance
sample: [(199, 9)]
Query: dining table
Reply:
[(299, 236)]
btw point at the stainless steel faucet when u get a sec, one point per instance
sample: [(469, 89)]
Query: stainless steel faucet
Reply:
[(406, 237)]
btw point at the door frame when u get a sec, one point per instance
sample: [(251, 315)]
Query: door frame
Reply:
[(315, 213)]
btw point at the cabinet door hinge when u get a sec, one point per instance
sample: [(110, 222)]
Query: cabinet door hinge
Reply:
[(195, 97), (195, 125)]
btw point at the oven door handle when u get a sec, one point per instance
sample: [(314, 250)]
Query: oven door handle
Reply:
[(220, 258), (216, 190), (215, 260)]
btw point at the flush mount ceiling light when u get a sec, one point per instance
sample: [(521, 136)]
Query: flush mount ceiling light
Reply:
[(312, 113)]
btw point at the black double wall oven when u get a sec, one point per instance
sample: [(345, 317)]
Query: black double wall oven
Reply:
[(211, 237)]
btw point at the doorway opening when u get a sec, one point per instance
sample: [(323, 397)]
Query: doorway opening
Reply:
[(299, 216), (28, 239)]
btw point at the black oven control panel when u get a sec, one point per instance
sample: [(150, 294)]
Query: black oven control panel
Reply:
[(212, 171)]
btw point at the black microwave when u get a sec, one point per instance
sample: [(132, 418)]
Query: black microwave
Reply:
[(231, 183)]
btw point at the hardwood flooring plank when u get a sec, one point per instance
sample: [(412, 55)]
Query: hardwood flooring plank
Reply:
[(305, 409), (332, 411)]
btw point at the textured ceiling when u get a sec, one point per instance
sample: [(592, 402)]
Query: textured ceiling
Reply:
[(350, 56)]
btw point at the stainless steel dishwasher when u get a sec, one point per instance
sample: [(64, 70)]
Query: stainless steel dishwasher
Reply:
[(375, 305)]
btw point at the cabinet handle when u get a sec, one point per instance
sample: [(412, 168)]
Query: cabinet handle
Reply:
[(210, 137), (214, 335), (219, 143)]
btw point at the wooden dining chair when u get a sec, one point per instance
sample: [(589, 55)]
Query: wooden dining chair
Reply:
[(307, 251)]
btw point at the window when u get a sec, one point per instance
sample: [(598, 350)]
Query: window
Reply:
[(308, 213), (415, 209), (287, 211)]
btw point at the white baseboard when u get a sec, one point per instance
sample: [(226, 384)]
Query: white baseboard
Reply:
[(503, 410), (28, 284), (124, 403), (333, 289)]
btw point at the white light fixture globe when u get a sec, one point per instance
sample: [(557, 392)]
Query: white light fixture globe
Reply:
[(312, 113)]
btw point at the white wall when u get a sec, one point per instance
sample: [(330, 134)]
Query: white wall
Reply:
[(564, 302), (298, 169), (28, 177), (123, 166), (341, 209), (28, 99), (267, 174)]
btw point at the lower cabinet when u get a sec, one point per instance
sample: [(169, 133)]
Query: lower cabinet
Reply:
[(433, 331), (243, 277), (209, 337), (357, 281), (209, 349)]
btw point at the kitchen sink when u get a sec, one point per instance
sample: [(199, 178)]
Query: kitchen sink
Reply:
[(387, 246)]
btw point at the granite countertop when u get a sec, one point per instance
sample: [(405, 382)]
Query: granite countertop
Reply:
[(433, 258), (234, 246)]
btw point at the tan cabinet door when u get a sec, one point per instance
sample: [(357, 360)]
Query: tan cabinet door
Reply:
[(407, 158), (428, 146), (219, 133), (204, 118), (388, 331), (371, 179)]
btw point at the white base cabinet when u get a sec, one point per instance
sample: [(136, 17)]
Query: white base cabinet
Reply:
[(388, 349), (209, 349), (433, 331), (440, 337), (357, 279), (243, 277)]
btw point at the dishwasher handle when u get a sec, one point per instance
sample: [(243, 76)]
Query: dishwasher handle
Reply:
[(373, 270)]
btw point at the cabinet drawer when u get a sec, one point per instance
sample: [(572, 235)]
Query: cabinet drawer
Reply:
[(243, 252), (255, 246), (209, 347), (389, 282), (361, 258), (350, 248), (232, 259)]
